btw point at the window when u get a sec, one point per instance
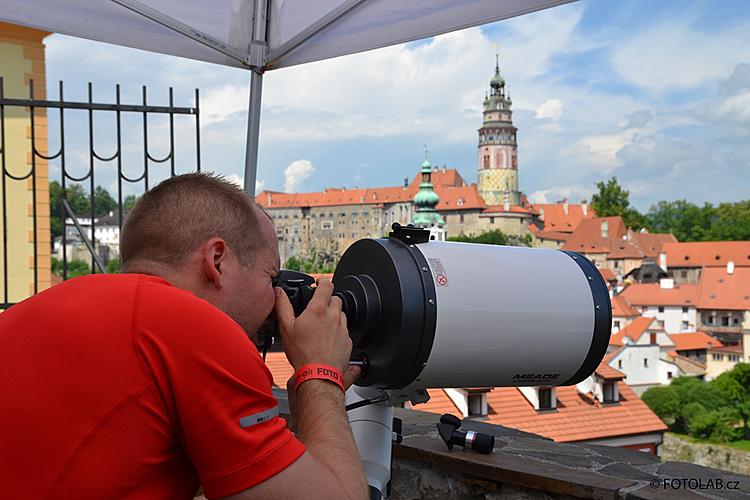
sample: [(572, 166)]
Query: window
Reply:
[(685, 325), (492, 220), (660, 323), (326, 225), (718, 357), (710, 320), (736, 321), (669, 375), (609, 392), (684, 309), (645, 362), (545, 398), (476, 406), (462, 218), (683, 274), (619, 363), (617, 324), (725, 321), (661, 309), (734, 358)]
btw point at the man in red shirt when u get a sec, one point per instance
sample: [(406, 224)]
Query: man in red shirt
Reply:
[(145, 384)]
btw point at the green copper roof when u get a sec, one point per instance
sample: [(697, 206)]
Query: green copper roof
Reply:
[(426, 200)]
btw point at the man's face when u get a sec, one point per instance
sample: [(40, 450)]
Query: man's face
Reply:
[(249, 290)]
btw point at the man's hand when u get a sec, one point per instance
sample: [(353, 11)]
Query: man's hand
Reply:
[(319, 334)]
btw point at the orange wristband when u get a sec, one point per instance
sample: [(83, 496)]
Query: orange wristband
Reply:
[(318, 371)]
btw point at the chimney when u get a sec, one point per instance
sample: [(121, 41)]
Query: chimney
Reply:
[(730, 267), (362, 199), (268, 195), (565, 206), (604, 226), (445, 169), (585, 208), (541, 213), (506, 205), (666, 283), (406, 182), (663, 261)]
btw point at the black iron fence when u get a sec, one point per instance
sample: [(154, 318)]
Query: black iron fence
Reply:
[(13, 207)]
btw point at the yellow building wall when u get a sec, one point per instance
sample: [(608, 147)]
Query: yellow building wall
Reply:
[(21, 60)]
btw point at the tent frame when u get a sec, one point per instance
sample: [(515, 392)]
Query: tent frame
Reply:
[(257, 59)]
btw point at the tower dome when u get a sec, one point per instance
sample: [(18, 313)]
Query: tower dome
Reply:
[(426, 200)]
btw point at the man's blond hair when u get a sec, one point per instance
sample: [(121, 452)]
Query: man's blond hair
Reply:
[(171, 220)]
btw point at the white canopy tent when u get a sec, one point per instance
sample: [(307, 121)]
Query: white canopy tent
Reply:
[(260, 35)]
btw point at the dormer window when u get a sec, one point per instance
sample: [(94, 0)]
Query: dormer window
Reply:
[(545, 398), (608, 388), (477, 404), (460, 202)]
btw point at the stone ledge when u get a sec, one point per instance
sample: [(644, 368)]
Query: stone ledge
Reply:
[(528, 466)]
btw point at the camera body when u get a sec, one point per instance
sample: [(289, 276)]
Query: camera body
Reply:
[(424, 313)]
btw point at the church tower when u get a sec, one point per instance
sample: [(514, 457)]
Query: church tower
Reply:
[(497, 150), (426, 200)]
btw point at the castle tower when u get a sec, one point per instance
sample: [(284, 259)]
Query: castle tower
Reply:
[(497, 151), (426, 200)]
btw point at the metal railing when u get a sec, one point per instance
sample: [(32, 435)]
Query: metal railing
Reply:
[(28, 107)]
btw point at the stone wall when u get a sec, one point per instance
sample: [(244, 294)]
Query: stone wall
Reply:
[(526, 466), (707, 454)]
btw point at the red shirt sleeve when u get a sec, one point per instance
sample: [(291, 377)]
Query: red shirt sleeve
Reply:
[(215, 388)]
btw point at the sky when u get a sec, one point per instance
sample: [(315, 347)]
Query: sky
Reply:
[(655, 93)]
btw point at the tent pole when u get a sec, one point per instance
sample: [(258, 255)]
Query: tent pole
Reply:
[(253, 131)]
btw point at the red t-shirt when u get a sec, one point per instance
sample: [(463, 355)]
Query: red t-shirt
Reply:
[(123, 386)]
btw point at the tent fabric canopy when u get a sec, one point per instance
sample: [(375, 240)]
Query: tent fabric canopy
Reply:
[(316, 29)]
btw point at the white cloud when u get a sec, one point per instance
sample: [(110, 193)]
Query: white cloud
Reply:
[(574, 194), (674, 54), (240, 181), (296, 174), (551, 108)]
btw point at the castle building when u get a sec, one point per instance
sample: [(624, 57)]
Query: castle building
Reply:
[(436, 198)]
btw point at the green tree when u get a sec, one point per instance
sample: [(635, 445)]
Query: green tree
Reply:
[(717, 425), (129, 201), (113, 266), (664, 401), (686, 221), (690, 411), (612, 200), (77, 199), (735, 386), (494, 237), (78, 268), (103, 202), (731, 221)]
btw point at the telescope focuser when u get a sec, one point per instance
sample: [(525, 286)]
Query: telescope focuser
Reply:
[(448, 428)]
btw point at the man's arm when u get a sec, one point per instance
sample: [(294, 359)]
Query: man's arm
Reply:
[(331, 467)]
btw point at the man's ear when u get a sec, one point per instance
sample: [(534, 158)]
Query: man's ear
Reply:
[(214, 260)]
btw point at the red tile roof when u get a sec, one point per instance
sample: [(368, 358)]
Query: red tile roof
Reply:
[(555, 218), (459, 198), (608, 274), (721, 290), (621, 308), (651, 244), (632, 331), (651, 294), (517, 209), (607, 372), (617, 241), (548, 235), (587, 237), (578, 416), (707, 253), (731, 349), (447, 177), (692, 341)]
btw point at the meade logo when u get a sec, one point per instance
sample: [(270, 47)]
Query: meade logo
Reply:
[(535, 376)]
